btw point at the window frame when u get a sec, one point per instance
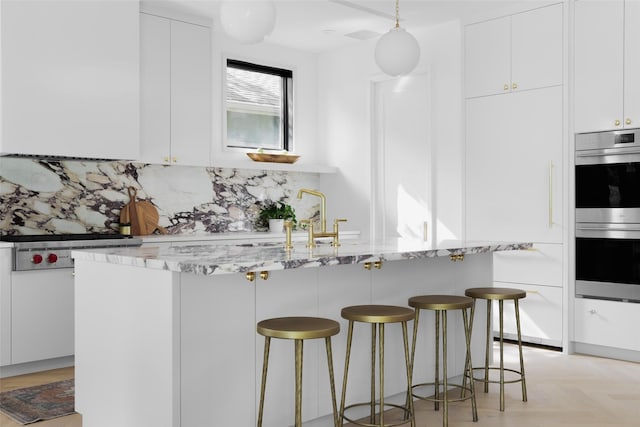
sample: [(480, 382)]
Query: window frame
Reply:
[(287, 104)]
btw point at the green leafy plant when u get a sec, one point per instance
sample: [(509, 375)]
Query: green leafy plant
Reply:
[(276, 210)]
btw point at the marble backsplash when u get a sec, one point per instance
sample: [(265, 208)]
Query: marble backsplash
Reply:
[(75, 196)]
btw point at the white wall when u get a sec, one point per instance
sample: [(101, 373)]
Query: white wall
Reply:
[(344, 127)]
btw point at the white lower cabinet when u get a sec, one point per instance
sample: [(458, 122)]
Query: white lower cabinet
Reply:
[(217, 350), (42, 315), (539, 273), (283, 294), (540, 315), (606, 323), (338, 287), (5, 306)]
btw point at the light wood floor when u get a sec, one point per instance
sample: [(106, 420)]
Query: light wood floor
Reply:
[(563, 391)]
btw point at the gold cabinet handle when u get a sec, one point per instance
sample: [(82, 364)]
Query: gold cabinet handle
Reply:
[(506, 87), (250, 276), (550, 194), (264, 275), (514, 86), (377, 265), (628, 121), (174, 159), (617, 123), (456, 258), (166, 159)]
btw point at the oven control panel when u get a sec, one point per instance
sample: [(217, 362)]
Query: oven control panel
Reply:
[(42, 259)]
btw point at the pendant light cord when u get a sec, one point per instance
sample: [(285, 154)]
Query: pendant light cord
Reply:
[(397, 13)]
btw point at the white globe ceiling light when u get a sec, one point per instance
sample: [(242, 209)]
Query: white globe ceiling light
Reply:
[(248, 21), (397, 52)]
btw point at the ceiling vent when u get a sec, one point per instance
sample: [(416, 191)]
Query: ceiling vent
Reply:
[(363, 35)]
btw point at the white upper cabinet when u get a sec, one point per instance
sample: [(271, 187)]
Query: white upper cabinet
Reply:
[(488, 57), (517, 52), (70, 78), (175, 91), (607, 65)]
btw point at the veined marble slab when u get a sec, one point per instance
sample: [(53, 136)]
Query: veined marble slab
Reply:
[(240, 258)]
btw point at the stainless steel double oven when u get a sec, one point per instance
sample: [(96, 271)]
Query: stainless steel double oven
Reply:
[(607, 184)]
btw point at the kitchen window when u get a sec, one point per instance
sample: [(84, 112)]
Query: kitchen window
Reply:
[(259, 106)]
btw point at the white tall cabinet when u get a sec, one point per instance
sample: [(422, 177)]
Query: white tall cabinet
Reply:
[(514, 157), (175, 87), (607, 65), (70, 78), (606, 97)]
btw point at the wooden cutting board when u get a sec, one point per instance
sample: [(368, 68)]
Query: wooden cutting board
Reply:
[(142, 215)]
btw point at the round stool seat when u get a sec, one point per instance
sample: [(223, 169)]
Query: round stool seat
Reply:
[(298, 328), (495, 293), (378, 313), (440, 302)]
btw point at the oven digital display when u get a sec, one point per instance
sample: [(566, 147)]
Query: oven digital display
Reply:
[(625, 138)]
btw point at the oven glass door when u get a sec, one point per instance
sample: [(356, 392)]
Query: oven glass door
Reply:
[(608, 268), (615, 185)]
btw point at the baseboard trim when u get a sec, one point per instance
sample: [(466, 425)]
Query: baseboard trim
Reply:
[(38, 366)]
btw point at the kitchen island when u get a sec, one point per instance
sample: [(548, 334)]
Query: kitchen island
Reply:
[(166, 336)]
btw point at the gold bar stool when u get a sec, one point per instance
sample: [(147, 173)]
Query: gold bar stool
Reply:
[(500, 295), (377, 316), (441, 304), (298, 329)]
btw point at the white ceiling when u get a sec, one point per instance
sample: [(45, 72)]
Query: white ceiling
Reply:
[(319, 25)]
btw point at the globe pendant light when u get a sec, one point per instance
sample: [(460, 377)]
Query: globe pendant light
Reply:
[(397, 52), (248, 21)]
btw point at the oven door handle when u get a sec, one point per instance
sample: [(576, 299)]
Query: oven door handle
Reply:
[(599, 157), (608, 232)]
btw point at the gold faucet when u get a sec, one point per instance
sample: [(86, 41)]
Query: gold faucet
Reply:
[(323, 221)]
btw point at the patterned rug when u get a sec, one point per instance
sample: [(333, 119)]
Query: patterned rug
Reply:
[(37, 403)]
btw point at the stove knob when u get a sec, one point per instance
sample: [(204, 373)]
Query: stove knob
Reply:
[(37, 259), (52, 258)]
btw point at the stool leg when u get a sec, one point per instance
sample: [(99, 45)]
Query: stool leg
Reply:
[(487, 348), (381, 366), (523, 381), (409, 365), (501, 309), (263, 384), (436, 404), (445, 399), (409, 402), (332, 382), (346, 372), (467, 335), (299, 345), (372, 413), (468, 364)]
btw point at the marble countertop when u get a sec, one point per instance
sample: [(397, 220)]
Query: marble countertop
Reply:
[(211, 259), (233, 236)]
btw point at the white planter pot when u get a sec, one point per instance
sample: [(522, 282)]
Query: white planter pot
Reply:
[(276, 226)]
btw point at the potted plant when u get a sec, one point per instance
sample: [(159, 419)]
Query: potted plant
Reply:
[(273, 215)]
